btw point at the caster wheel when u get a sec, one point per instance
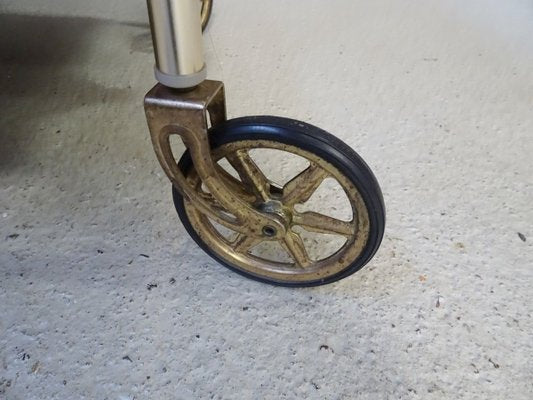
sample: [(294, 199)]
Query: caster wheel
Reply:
[(331, 203)]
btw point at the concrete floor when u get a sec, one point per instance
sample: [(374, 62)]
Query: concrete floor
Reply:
[(437, 96)]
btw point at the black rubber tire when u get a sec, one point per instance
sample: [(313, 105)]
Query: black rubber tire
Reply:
[(314, 140)]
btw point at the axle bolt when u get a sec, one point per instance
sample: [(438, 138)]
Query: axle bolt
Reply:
[(269, 231)]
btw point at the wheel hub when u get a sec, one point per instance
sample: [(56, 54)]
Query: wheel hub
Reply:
[(276, 208), (269, 231)]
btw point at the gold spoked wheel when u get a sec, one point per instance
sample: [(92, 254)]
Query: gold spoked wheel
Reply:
[(299, 174)]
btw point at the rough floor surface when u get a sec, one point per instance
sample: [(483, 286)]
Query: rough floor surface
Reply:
[(104, 296)]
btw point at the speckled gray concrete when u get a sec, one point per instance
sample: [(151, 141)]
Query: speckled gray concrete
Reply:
[(437, 96)]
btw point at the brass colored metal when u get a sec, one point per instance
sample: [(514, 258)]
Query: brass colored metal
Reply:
[(207, 6), (171, 112), (177, 39)]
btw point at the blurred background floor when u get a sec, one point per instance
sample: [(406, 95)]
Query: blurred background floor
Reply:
[(102, 293)]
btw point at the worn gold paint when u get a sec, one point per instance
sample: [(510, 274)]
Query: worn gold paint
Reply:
[(206, 12)]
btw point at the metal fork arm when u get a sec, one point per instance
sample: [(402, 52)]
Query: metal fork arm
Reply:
[(171, 112)]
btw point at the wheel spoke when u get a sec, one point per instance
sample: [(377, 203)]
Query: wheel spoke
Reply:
[(250, 173), (210, 201), (209, 207), (243, 243), (316, 222), (300, 188), (235, 185), (294, 244)]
